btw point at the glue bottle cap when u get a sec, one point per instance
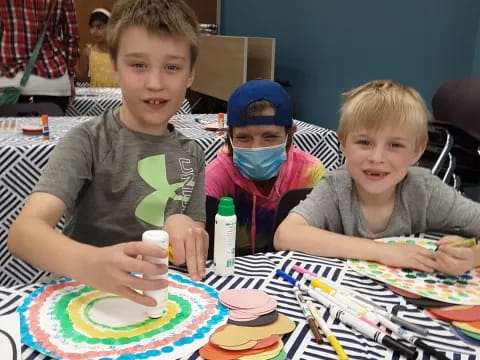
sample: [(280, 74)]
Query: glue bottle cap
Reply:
[(226, 207)]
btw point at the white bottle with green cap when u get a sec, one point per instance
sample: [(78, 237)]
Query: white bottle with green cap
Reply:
[(225, 234)]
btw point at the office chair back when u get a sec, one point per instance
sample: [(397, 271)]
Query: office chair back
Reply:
[(458, 102), (287, 202)]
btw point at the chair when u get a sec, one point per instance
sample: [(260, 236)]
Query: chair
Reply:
[(446, 172), (465, 150), (458, 102), (33, 109), (287, 202), (436, 154), (456, 107)]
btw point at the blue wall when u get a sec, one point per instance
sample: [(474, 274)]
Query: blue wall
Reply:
[(327, 47), (476, 59)]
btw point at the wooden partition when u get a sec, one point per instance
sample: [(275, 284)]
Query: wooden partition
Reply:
[(226, 62), (261, 58), (221, 65)]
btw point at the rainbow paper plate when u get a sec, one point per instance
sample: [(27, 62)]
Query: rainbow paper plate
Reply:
[(462, 290), (65, 319)]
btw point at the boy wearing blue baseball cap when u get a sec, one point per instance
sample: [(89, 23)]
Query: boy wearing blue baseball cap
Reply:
[(259, 163)]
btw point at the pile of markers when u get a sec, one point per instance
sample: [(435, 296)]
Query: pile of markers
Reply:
[(361, 314), (253, 329)]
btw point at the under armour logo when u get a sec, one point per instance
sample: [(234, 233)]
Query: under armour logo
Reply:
[(153, 171)]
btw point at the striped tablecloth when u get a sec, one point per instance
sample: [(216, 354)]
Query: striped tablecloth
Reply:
[(94, 101), (258, 271), (22, 158)]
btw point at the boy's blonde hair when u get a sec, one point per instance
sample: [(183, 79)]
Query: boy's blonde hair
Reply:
[(383, 103), (172, 17)]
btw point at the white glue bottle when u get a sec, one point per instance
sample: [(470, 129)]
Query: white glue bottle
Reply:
[(224, 239), (158, 238)]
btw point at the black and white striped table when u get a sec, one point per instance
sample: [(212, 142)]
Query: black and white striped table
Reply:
[(22, 158), (258, 271), (94, 101)]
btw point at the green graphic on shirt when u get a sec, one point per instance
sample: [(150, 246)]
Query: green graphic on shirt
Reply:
[(153, 171)]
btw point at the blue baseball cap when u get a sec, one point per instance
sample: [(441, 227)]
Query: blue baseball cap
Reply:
[(257, 90)]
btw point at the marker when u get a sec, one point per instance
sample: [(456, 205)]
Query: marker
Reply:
[(355, 323), (466, 243), (380, 310), (285, 276), (171, 257), (359, 309), (364, 314), (328, 333), (411, 338), (361, 326), (308, 316)]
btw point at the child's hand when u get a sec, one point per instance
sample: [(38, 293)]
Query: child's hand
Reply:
[(453, 260), (110, 269), (189, 242), (408, 256)]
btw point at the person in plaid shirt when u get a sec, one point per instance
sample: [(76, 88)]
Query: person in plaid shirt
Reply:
[(21, 22)]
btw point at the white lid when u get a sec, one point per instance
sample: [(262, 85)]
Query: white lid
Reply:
[(157, 237)]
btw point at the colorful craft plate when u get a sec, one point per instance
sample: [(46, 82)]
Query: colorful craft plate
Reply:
[(67, 320), (463, 289)]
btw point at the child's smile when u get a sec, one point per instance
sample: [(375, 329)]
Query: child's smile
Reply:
[(155, 104), (375, 175), (379, 160)]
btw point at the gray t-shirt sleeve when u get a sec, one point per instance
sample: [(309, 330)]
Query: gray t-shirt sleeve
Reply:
[(196, 206), (320, 208), (69, 167), (449, 211)]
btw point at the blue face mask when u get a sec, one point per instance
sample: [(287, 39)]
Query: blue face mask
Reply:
[(260, 163)]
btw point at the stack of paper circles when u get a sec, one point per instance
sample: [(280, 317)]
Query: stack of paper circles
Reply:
[(65, 319), (253, 330), (464, 321)]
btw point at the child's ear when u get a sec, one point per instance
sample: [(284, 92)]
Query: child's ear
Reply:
[(418, 153), (191, 78), (292, 130), (114, 68)]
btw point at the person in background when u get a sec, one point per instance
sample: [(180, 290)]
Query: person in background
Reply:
[(128, 170), (52, 78), (259, 163), (383, 132), (96, 67)]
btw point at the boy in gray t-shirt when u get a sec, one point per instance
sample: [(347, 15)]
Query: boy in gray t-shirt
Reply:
[(128, 170), (383, 132)]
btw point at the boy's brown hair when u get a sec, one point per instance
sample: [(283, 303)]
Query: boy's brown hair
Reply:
[(382, 103), (172, 17)]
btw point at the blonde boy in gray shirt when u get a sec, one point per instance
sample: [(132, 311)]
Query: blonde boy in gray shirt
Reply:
[(383, 132)]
